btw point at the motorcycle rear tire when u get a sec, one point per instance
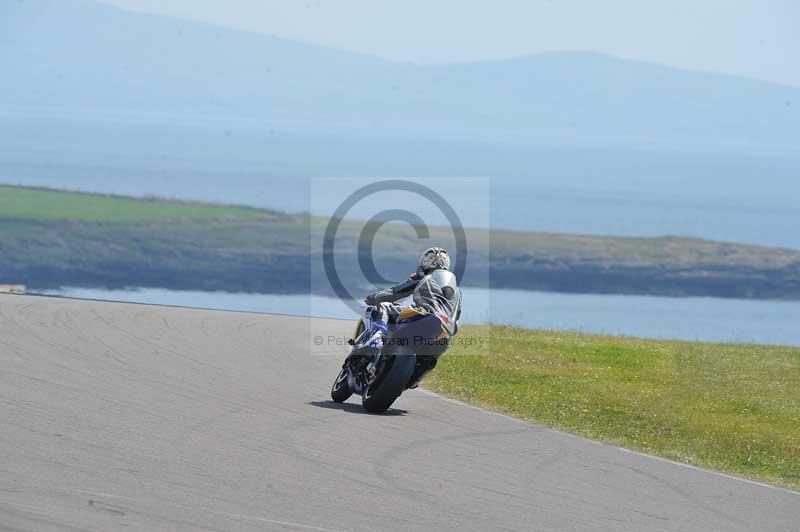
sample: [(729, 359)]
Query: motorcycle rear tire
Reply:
[(379, 396)]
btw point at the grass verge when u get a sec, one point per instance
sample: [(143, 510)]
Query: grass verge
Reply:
[(733, 408)]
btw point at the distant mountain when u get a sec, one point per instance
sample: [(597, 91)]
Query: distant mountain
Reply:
[(82, 56)]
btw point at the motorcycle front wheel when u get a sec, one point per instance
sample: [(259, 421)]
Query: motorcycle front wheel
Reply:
[(341, 391)]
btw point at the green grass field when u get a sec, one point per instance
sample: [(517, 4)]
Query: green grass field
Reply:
[(45, 204), (734, 408)]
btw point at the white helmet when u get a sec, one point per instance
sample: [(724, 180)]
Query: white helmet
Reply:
[(433, 259)]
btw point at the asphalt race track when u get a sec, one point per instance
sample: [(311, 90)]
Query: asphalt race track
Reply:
[(130, 417)]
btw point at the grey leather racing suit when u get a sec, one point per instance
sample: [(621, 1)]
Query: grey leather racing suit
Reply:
[(436, 292)]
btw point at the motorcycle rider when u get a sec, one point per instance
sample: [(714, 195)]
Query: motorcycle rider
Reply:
[(436, 310)]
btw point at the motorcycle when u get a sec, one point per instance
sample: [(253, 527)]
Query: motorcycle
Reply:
[(379, 367)]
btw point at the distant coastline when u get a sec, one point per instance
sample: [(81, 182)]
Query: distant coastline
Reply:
[(50, 239)]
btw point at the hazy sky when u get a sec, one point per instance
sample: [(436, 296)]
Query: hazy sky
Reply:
[(755, 38)]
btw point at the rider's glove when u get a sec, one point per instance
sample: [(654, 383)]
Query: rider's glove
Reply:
[(378, 297)]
